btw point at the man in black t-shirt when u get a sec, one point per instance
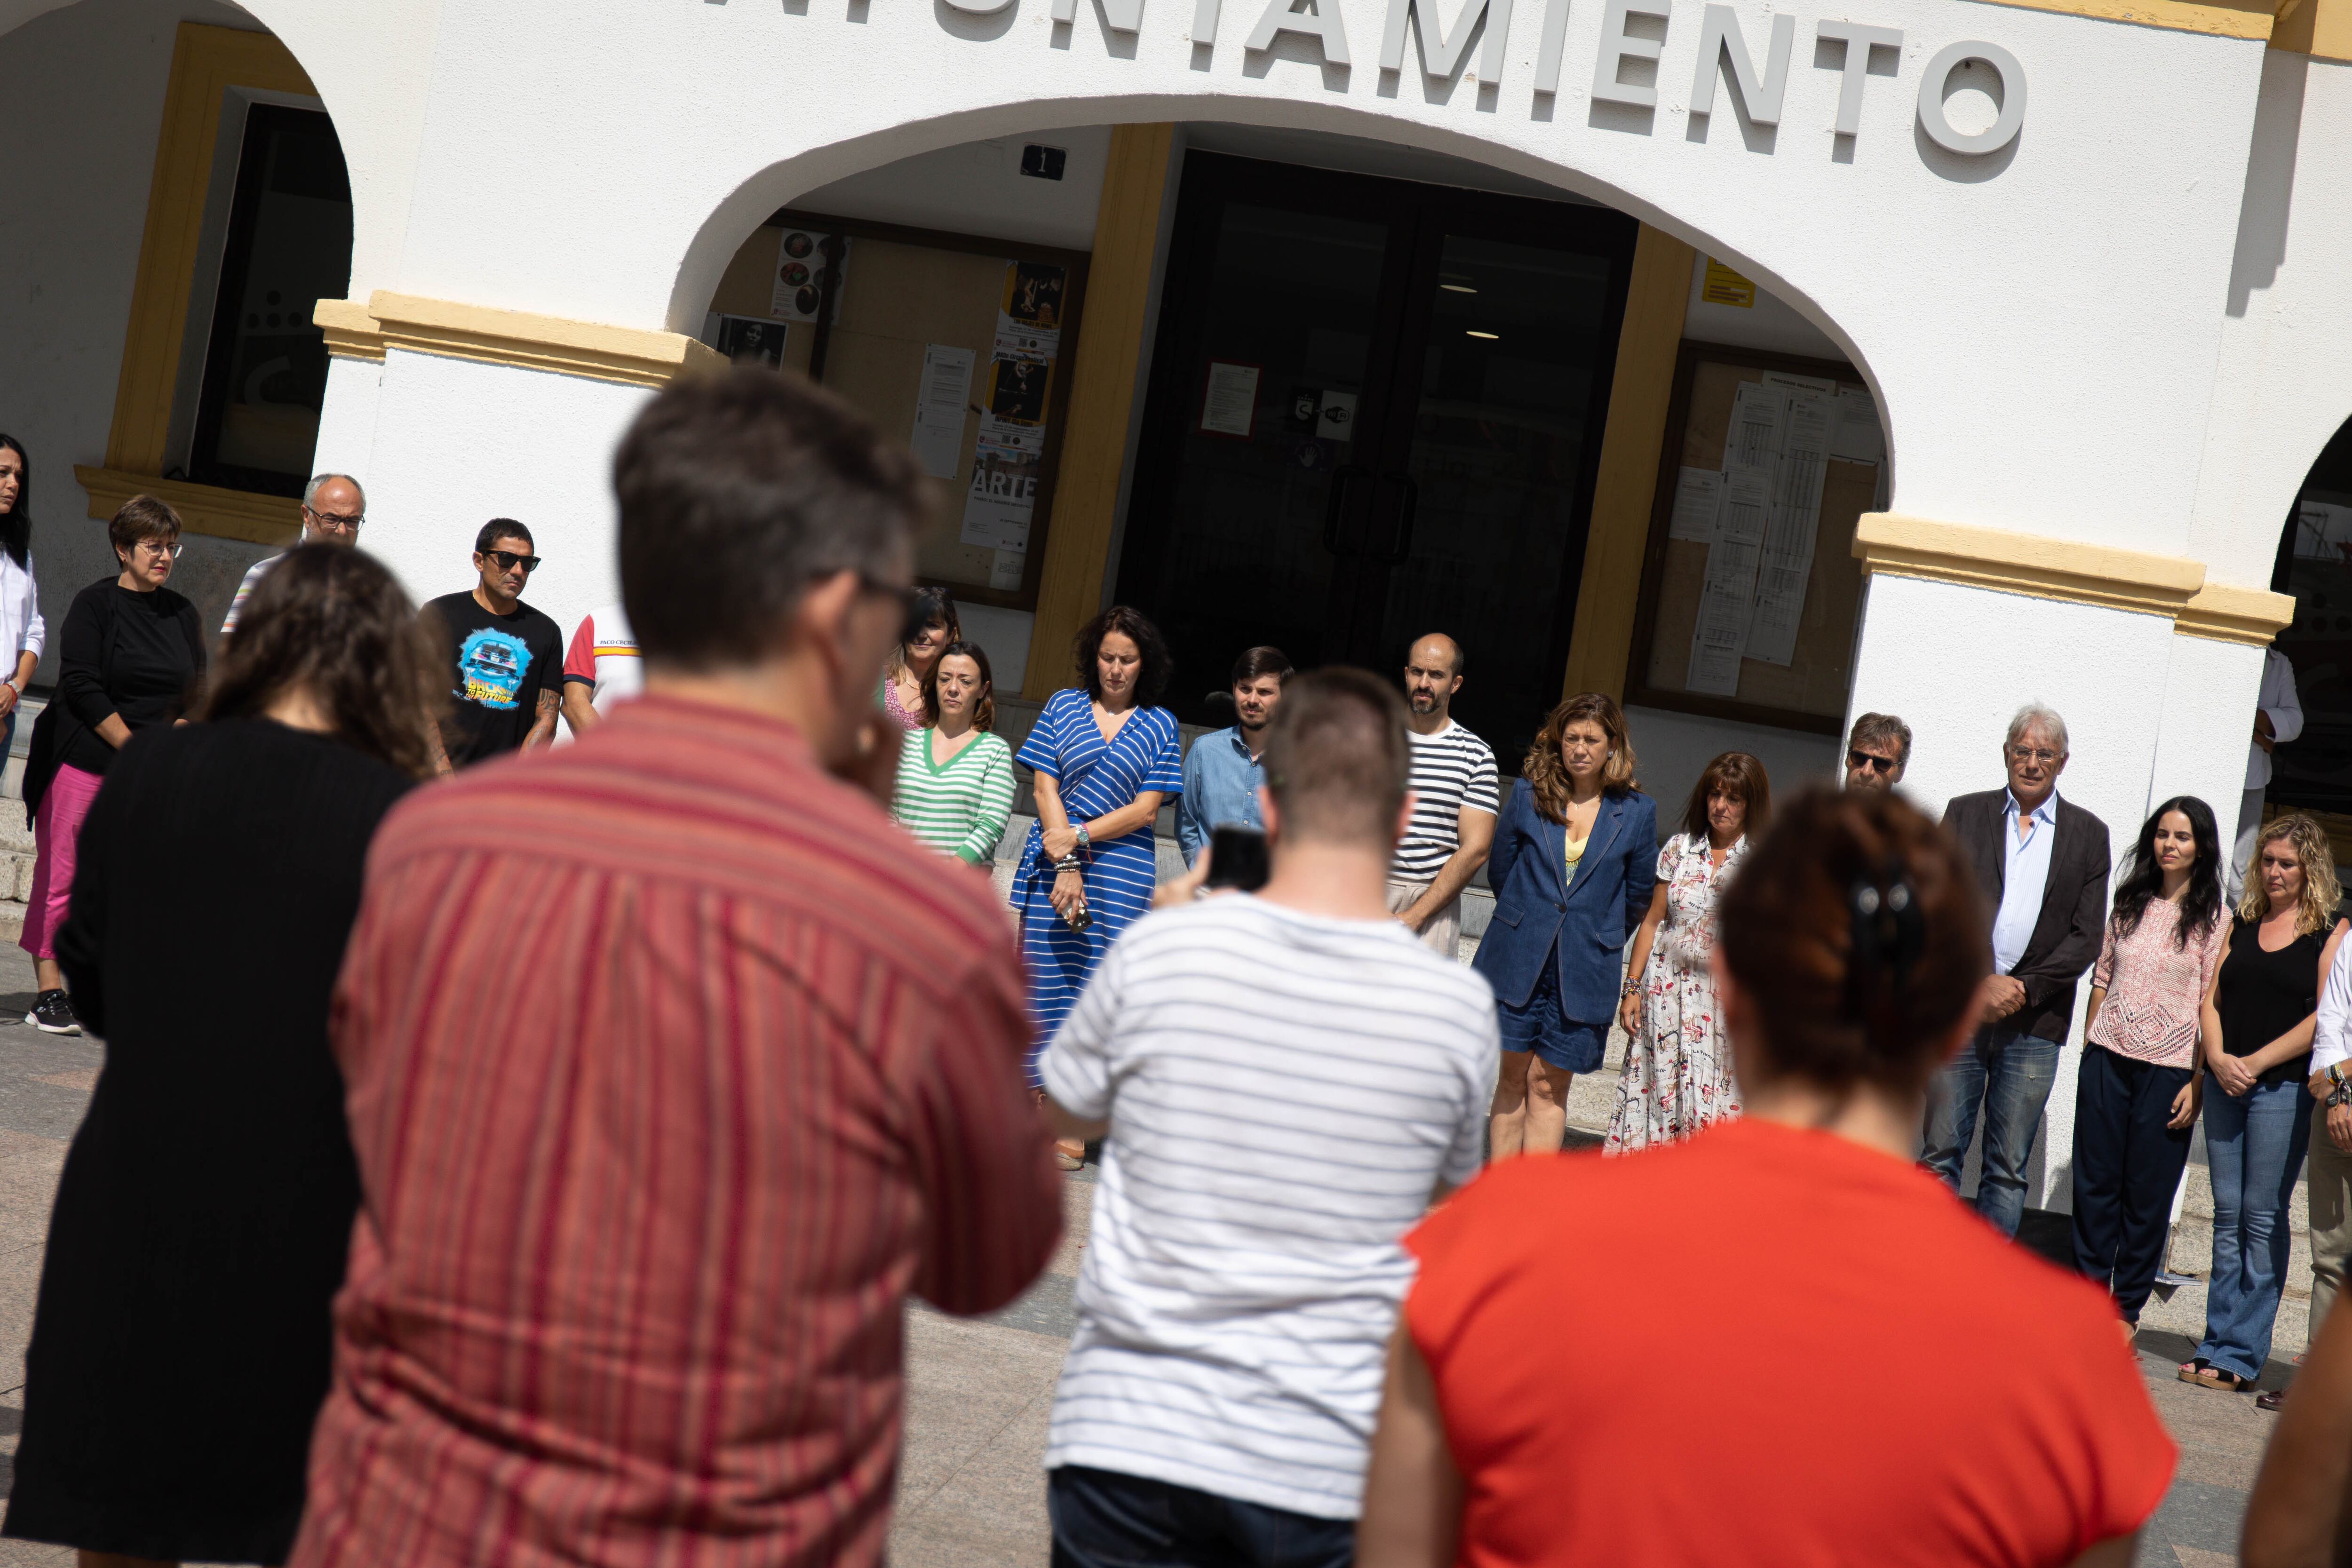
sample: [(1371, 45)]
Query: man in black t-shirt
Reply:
[(507, 657)]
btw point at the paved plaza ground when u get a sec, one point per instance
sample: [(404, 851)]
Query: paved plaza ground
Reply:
[(969, 1492)]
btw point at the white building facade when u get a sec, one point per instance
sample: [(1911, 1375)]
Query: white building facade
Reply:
[(2035, 312)]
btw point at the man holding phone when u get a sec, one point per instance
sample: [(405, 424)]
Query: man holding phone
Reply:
[(1222, 771), (1285, 1079)]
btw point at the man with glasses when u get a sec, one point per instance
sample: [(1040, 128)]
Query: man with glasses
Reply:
[(2043, 865), (508, 657), (332, 510), (675, 1065), (1877, 751)]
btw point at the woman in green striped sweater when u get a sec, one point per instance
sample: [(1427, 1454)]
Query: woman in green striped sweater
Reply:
[(955, 778)]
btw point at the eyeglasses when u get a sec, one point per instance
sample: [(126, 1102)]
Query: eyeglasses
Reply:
[(161, 549), (336, 521), (507, 560), (2033, 754), (1860, 759)]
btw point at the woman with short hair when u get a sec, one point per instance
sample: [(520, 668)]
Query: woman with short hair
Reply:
[(182, 1340), (955, 775), (2275, 961), (933, 612), (1574, 861), (130, 655), (1677, 1073), (2141, 1078), (1543, 1403)]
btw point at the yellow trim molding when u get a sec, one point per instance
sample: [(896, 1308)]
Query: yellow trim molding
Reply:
[(203, 508), (352, 332), (207, 62), (2320, 28), (1102, 393), (1625, 482), (1892, 545), (2244, 19), (628, 355), (2227, 614)]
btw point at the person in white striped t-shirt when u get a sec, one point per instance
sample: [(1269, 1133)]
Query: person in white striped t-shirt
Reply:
[(1285, 1080), (1456, 792)]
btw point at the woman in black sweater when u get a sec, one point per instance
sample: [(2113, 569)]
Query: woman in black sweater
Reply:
[(181, 1342), (132, 655)]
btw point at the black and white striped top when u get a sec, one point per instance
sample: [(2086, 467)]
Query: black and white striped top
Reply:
[(1284, 1090), (1451, 770)]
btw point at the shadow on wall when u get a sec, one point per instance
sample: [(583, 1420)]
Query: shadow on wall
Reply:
[(2270, 176)]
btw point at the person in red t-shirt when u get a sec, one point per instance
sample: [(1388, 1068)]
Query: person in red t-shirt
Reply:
[(1780, 1342)]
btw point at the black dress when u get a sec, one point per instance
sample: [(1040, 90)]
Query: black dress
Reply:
[(181, 1339)]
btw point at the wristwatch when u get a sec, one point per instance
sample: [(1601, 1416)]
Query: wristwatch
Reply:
[(2340, 1095)]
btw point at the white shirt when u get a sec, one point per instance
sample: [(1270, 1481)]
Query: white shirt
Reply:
[(1453, 772), (22, 630), (2281, 701), (2023, 879), (1284, 1090), (603, 656), (2331, 1041)]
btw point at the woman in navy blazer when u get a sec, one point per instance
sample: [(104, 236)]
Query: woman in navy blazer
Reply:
[(1575, 856)]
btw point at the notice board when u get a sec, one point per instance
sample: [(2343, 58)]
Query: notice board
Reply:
[(1751, 593)]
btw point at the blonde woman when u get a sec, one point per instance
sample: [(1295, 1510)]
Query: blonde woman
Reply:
[(2257, 1121)]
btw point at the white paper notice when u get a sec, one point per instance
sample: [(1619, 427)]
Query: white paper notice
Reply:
[(1855, 437), (1822, 384), (996, 525), (1759, 419), (1698, 496), (1231, 406), (939, 408), (1746, 507), (1006, 572), (1720, 636)]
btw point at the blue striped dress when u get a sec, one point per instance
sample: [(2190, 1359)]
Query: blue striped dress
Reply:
[(1095, 779)]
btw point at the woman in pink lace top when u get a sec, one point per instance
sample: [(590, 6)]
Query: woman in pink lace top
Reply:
[(911, 662), (2141, 1080)]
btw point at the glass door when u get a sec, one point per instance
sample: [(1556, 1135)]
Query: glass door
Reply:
[(1373, 415)]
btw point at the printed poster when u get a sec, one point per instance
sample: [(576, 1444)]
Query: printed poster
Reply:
[(1230, 408), (800, 280)]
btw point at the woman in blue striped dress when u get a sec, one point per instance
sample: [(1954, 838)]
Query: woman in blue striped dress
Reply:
[(1104, 761)]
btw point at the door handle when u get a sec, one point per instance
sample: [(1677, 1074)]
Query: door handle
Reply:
[(1407, 507), (1342, 477)]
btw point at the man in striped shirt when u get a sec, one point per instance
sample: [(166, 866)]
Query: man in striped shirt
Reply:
[(1285, 1080), (672, 1066), (1456, 795)]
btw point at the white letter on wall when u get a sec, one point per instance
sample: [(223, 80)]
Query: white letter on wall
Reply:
[(1118, 15), (1441, 63), (1322, 24), (1859, 38), (1204, 21), (1555, 36), (1721, 44), (979, 7), (1615, 46), (2005, 125)]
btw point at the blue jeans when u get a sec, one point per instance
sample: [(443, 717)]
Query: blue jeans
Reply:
[(1105, 1520), (2008, 1075), (2254, 1145)]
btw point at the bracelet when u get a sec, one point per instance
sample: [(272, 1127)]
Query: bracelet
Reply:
[(2340, 1095), (1084, 842), (1070, 863)]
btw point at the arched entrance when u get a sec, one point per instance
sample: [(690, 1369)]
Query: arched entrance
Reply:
[(2312, 771)]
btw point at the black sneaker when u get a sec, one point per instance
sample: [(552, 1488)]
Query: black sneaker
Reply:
[(52, 1014)]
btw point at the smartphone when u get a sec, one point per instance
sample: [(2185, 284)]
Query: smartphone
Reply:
[(1238, 858)]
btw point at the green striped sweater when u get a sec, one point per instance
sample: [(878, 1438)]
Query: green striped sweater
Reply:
[(959, 808)]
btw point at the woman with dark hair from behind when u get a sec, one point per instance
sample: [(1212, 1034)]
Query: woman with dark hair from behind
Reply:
[(933, 611), (131, 655), (1103, 760), (1575, 856), (180, 1346), (22, 630), (2142, 1075), (1851, 949), (1677, 1073)]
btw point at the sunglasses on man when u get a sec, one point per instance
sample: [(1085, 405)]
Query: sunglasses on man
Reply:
[(1860, 759), (507, 561)]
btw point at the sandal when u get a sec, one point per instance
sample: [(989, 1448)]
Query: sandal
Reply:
[(1069, 1154), (2193, 1370), (2227, 1382)]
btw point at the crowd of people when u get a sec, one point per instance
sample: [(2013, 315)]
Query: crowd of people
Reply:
[(533, 1167)]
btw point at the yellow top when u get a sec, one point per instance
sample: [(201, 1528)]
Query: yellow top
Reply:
[(1575, 853)]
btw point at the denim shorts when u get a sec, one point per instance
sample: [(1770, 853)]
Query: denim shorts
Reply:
[(1542, 1027)]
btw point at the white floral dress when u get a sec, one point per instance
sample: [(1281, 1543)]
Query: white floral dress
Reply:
[(1678, 1076)]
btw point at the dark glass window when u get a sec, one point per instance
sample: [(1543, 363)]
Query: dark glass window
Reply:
[(289, 246), (2315, 564)]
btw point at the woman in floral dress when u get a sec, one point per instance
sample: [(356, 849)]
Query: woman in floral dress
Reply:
[(1678, 1076)]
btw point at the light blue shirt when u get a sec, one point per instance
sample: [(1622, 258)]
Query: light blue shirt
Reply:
[(1221, 780), (2023, 879)]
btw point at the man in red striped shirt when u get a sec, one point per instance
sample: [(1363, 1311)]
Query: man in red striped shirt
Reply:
[(673, 1065)]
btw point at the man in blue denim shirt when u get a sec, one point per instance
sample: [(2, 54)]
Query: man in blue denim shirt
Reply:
[(1222, 772)]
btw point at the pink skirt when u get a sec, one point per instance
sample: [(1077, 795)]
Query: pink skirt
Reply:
[(56, 827)]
